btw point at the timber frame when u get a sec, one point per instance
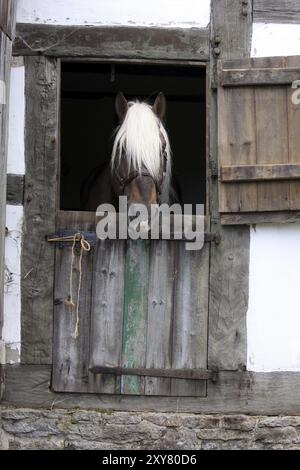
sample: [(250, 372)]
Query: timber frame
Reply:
[(235, 390)]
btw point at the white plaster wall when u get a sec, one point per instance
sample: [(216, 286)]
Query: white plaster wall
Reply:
[(180, 13), (273, 319), (15, 156), (12, 290), (14, 216), (270, 40)]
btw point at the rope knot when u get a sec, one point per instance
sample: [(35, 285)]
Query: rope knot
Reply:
[(84, 247)]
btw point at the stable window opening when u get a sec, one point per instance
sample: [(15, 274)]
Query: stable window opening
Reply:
[(88, 121)]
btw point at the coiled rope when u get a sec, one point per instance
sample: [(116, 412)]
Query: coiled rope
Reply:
[(84, 247)]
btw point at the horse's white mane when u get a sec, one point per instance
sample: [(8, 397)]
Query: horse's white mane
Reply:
[(138, 139)]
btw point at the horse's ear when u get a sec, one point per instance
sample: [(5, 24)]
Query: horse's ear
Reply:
[(121, 106), (160, 105)]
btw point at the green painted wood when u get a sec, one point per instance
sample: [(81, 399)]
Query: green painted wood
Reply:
[(135, 314)]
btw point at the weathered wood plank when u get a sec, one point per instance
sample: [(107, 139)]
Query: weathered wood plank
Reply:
[(271, 144), (237, 146), (112, 41), (277, 62), (107, 312), (41, 159), (256, 76), (293, 124), (5, 57), (270, 393), (276, 11), (15, 189), (189, 342), (276, 145), (135, 313), (230, 259), (260, 218), (231, 23), (229, 299), (283, 171), (146, 309), (71, 353), (160, 308), (8, 17)]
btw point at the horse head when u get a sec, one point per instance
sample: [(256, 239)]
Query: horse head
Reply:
[(141, 155)]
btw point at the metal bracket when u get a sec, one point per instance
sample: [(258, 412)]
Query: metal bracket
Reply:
[(185, 374), (91, 237)]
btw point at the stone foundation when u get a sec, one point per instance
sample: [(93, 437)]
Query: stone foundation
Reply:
[(78, 429)]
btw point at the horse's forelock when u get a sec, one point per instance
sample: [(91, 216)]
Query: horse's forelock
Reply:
[(138, 139)]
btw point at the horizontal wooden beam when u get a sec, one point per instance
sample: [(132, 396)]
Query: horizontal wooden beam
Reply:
[(233, 392), (252, 218), (276, 11), (238, 173), (112, 42), (259, 76), (15, 189)]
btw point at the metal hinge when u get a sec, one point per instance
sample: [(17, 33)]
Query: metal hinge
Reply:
[(186, 374), (213, 169)]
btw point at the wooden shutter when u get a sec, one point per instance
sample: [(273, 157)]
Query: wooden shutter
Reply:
[(143, 305), (258, 140)]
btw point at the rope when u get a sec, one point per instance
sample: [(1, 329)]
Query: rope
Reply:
[(84, 247)]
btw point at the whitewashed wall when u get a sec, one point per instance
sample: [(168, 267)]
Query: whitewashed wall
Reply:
[(273, 320), (14, 216), (274, 306), (180, 13), (11, 333), (270, 40)]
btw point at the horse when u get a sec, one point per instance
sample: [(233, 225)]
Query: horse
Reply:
[(140, 166)]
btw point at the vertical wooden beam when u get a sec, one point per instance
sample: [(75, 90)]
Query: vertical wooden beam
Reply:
[(231, 29), (40, 194), (8, 17)]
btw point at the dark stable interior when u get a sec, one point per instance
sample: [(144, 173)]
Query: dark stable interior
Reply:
[(88, 120)]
